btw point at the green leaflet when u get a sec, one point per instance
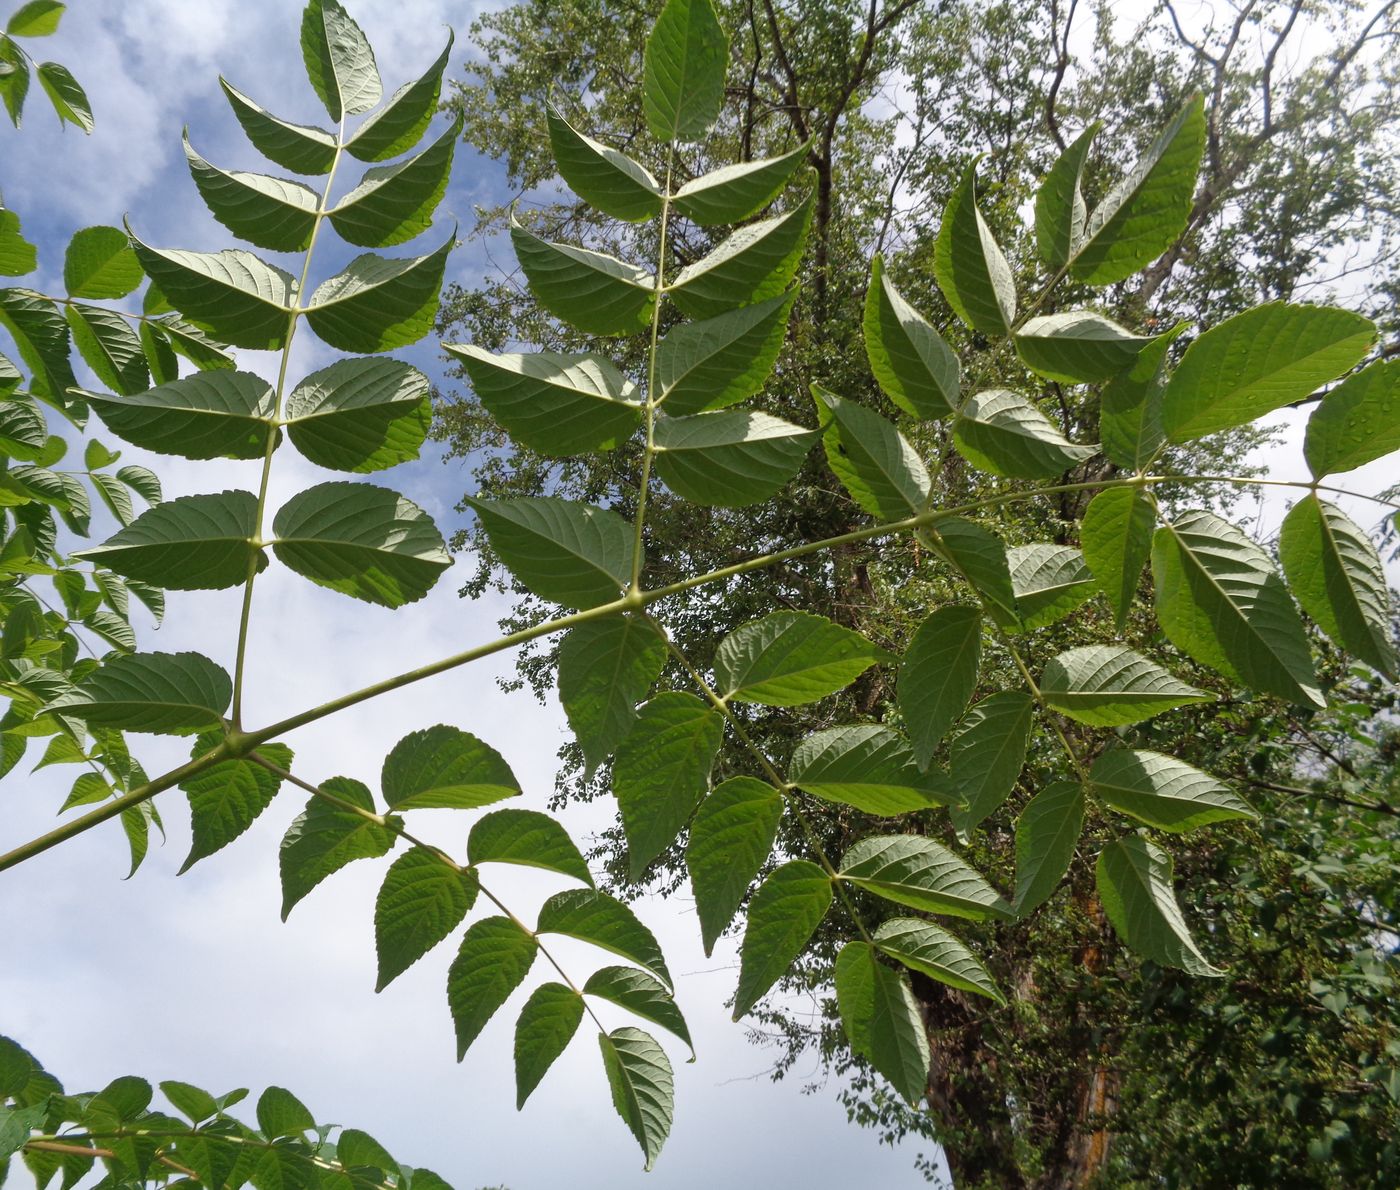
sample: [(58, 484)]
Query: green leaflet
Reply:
[(1220, 600), (1144, 213), (41, 334), (227, 798), (1110, 686), (394, 203), (267, 212), (445, 768), (495, 956), (571, 553), (110, 347), (38, 18), (931, 950), (17, 255), (298, 147), (396, 127), (192, 543), (756, 262), (1049, 582), (969, 266), (662, 771), (1002, 432), (136, 825), (280, 1113), (189, 341), (986, 755), (1130, 406), (729, 459), (1047, 833), (1356, 422), (914, 366), (547, 1024), (1134, 880), (1077, 346), (605, 922), (1060, 212), (208, 415), (100, 264), (783, 915), (882, 1019), (714, 363), (1162, 791), (870, 768), (1116, 534), (790, 658), (360, 415), (338, 60), (938, 675), (683, 76), (601, 176), (70, 102), (871, 458), (918, 872), (606, 667), (360, 540), (196, 1103), (237, 298), (424, 898), (168, 693), (730, 839), (639, 1073), (1335, 573), (378, 304), (737, 192), (641, 994), (356, 1148), (981, 558), (526, 837), (592, 292), (555, 404), (1258, 361), (325, 837)]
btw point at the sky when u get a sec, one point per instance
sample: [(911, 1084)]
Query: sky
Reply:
[(195, 978)]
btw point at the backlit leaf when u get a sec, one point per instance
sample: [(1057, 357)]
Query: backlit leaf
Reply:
[(783, 915), (360, 415), (986, 755), (227, 798), (641, 994), (603, 177), (918, 872), (882, 1019), (938, 675), (605, 922), (730, 839), (269, 212), (731, 458), (870, 768), (1162, 791), (1110, 686), (155, 692), (736, 192), (1077, 346), (445, 768), (394, 203), (422, 900), (592, 292), (1047, 833), (555, 404), (871, 458), (916, 369), (1220, 600), (1258, 361), (1049, 582), (606, 667), (931, 950), (1336, 574), (526, 837), (971, 270), (1134, 880), (683, 78), (1117, 537), (1356, 422), (662, 771), (1130, 406), (571, 553), (405, 116), (299, 147), (1002, 432), (547, 1024), (790, 658), (324, 838), (1060, 212), (99, 263), (495, 956), (339, 61), (714, 363), (638, 1070), (207, 415), (361, 540), (378, 304)]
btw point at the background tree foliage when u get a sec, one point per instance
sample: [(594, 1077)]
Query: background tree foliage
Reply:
[(1101, 1067)]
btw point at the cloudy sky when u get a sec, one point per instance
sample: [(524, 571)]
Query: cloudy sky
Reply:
[(195, 978)]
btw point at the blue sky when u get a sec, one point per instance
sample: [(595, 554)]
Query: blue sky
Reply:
[(195, 978)]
